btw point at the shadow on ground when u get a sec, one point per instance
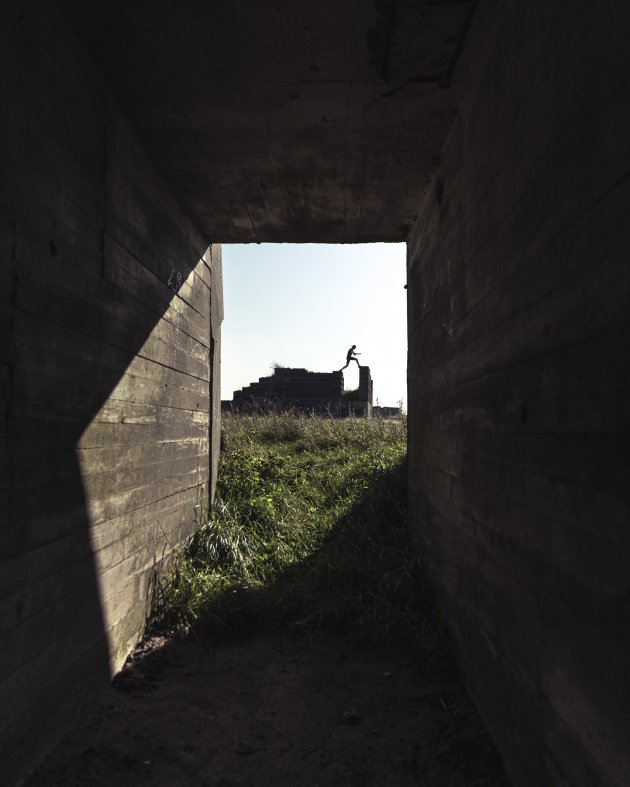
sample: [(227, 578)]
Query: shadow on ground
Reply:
[(344, 682), (364, 579)]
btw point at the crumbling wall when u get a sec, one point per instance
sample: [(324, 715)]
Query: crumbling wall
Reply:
[(365, 392), (519, 414), (110, 326), (299, 389), (294, 384)]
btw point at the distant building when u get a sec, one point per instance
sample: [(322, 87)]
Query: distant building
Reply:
[(308, 392), (386, 412)]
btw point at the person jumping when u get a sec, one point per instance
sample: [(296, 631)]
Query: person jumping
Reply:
[(351, 356)]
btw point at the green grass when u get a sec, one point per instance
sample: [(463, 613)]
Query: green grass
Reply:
[(309, 528)]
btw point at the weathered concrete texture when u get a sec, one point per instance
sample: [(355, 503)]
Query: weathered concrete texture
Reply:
[(519, 414), (366, 389), (323, 122), (110, 306), (303, 121), (308, 392)]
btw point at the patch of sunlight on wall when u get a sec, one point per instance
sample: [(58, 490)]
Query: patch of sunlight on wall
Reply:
[(132, 456)]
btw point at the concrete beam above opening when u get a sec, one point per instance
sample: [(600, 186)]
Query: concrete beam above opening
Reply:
[(284, 121)]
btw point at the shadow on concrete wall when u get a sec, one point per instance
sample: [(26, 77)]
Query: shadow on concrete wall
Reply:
[(74, 565)]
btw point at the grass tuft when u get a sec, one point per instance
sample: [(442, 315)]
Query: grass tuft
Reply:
[(309, 528)]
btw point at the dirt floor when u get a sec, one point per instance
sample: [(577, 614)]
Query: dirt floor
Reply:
[(279, 708)]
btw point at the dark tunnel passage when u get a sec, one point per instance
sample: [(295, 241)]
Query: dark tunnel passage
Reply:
[(492, 139)]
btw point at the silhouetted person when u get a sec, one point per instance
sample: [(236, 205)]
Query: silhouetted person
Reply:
[(351, 356)]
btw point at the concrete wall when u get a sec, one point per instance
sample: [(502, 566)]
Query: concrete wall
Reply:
[(294, 384), (109, 356), (110, 312), (308, 392), (519, 414), (365, 392)]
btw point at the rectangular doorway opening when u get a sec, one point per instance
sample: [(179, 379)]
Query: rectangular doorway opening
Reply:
[(307, 306)]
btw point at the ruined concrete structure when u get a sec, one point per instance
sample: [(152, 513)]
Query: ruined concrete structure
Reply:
[(493, 138), (386, 412), (308, 392)]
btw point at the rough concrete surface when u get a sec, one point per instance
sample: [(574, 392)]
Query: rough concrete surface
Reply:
[(307, 392), (287, 121), (493, 137), (519, 414), (111, 305)]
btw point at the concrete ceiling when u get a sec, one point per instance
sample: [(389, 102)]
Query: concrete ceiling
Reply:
[(285, 120)]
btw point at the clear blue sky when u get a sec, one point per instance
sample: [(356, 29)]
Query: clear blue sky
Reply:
[(304, 305)]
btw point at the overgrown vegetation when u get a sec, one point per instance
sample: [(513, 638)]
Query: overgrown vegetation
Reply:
[(309, 528)]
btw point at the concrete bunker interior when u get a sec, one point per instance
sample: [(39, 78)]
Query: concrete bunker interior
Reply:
[(492, 138)]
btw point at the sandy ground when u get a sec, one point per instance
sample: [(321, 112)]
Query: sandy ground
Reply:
[(279, 708)]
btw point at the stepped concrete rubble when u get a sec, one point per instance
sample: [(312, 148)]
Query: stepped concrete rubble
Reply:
[(305, 392)]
